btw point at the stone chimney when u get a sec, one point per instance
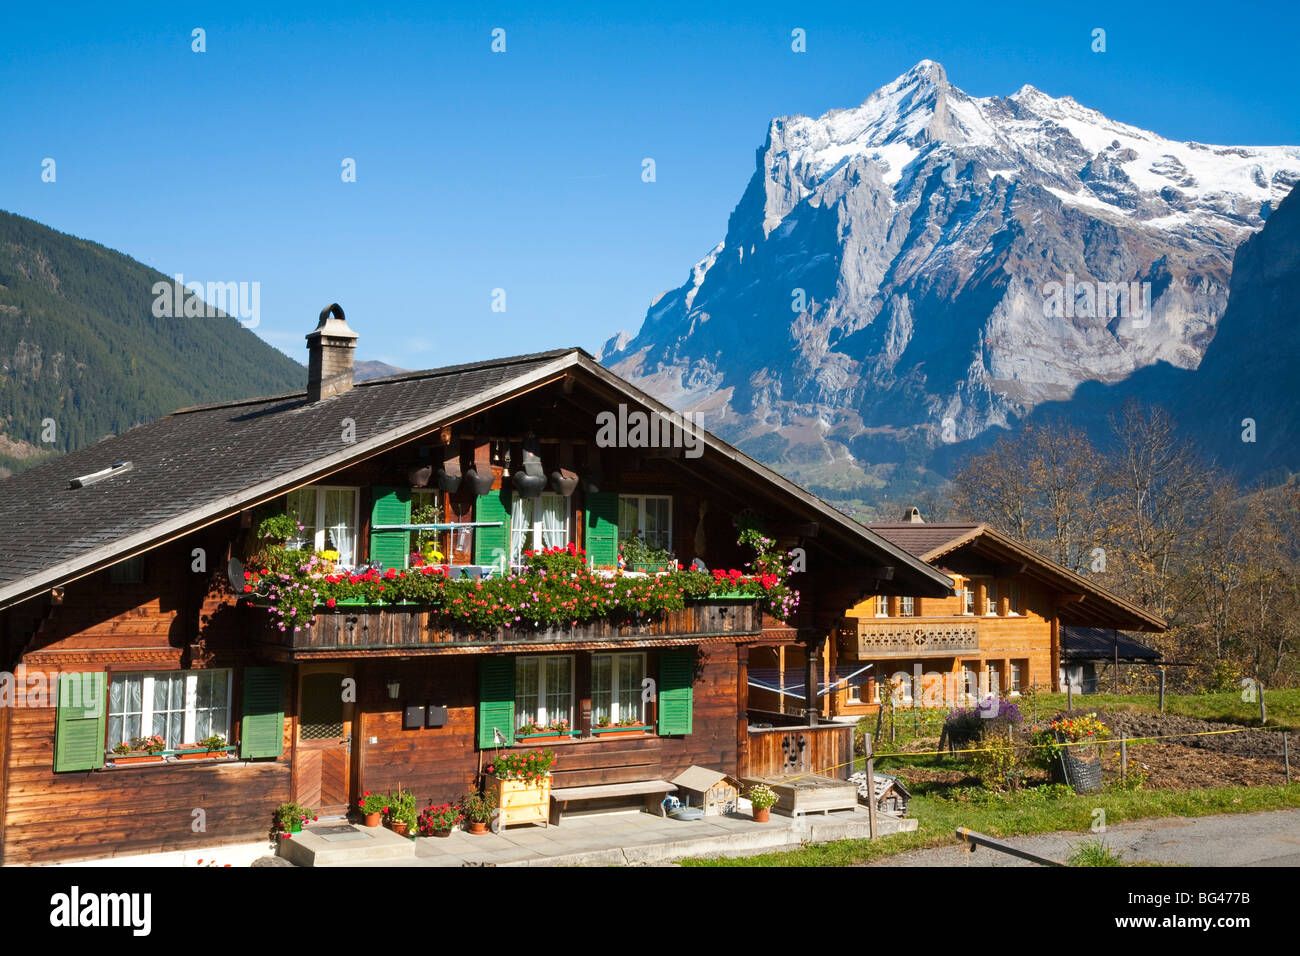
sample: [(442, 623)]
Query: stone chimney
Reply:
[(329, 355), (913, 515)]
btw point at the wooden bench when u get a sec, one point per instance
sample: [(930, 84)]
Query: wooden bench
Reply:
[(653, 791)]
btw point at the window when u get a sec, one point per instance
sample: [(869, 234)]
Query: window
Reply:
[(537, 523), (1013, 598), (882, 606), (421, 499), (616, 688), (907, 606), (179, 706), (329, 521), (130, 571), (650, 516), (991, 598), (995, 680), (543, 690), (1017, 676)]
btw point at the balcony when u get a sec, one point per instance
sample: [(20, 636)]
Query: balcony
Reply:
[(405, 628), (874, 639)]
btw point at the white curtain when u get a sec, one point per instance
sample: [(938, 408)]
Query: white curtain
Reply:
[(340, 535), (521, 528), (555, 521)]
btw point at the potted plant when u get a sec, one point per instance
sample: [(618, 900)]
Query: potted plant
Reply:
[(1067, 746), (371, 806), (761, 798), (477, 809), (520, 784), (140, 750), (438, 819), (400, 811), (291, 817)]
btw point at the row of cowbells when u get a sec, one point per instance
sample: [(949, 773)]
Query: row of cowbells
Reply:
[(529, 480)]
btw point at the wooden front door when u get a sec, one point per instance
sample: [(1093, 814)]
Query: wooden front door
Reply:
[(322, 767)]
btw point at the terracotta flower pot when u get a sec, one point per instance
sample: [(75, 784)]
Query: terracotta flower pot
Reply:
[(442, 833), (762, 816), (374, 819), (477, 827), (399, 828)]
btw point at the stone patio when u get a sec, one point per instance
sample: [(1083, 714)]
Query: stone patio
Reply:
[(620, 838)]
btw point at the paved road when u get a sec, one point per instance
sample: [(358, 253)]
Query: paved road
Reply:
[(1244, 839)]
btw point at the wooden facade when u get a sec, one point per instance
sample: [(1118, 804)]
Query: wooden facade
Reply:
[(171, 623)]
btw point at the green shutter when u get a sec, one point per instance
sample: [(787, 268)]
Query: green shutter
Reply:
[(391, 506), (601, 537), (79, 722), (676, 691), (261, 733), (496, 701), (492, 545)]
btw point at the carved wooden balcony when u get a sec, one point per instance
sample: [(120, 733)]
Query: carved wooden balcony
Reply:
[(358, 629), (908, 637)]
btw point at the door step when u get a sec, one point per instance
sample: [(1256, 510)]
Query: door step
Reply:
[(345, 844)]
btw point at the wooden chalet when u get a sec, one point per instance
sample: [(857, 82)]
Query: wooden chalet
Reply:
[(1003, 631), (121, 615)]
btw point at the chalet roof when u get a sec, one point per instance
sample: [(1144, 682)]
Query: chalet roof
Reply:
[(1099, 643), (199, 465), (1092, 606)]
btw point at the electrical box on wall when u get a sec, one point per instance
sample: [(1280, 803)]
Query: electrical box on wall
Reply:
[(435, 715), (413, 717)]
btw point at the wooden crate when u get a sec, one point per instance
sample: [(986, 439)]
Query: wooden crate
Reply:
[(522, 801), (809, 793)]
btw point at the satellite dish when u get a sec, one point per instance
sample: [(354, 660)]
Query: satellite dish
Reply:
[(235, 572)]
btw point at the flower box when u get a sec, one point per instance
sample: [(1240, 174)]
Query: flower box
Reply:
[(202, 753), (522, 801), (616, 731), (546, 735), (122, 759)]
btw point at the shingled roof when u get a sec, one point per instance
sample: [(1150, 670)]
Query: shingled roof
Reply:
[(201, 464)]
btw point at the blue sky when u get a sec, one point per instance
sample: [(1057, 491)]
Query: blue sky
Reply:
[(522, 170)]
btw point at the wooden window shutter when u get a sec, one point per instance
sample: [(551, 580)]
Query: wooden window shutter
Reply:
[(261, 732), (390, 506), (496, 701), (80, 720), (601, 535), (676, 691), (492, 545)]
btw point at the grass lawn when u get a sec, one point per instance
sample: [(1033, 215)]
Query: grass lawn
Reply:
[(1022, 814)]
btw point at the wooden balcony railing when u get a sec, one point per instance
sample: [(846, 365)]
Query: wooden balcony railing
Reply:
[(412, 627), (913, 637)]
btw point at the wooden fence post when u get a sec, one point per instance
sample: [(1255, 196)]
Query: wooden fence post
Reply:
[(1286, 757), (1069, 692), (871, 785), (1162, 690), (1263, 713), (1123, 756)]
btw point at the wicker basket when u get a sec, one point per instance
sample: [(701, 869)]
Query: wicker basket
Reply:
[(1080, 767)]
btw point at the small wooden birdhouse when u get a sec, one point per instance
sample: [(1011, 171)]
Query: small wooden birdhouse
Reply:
[(712, 791)]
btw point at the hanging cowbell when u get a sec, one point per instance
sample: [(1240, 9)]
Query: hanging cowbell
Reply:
[(530, 480), (564, 479), (449, 474)]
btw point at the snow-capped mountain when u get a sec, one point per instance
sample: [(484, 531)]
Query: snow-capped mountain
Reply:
[(930, 264)]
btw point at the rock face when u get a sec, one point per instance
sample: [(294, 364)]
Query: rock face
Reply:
[(928, 265)]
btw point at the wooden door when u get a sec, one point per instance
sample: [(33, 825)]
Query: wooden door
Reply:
[(322, 760)]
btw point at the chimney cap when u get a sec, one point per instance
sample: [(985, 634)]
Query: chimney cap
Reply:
[(913, 515), (333, 324)]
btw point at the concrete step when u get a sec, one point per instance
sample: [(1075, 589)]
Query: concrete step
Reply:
[(346, 845)]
